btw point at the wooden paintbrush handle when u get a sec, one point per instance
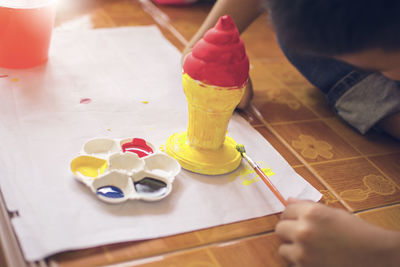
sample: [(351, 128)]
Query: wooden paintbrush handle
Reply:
[(270, 185)]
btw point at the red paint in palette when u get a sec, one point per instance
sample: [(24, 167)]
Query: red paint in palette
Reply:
[(138, 146), (3, 76)]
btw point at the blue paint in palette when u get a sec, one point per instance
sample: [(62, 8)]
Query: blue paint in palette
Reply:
[(110, 192)]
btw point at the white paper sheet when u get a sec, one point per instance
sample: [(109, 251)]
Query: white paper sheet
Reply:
[(43, 126)]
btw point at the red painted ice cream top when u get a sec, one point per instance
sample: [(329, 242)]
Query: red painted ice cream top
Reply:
[(219, 58)]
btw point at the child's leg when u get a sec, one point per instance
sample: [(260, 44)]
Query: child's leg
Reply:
[(362, 99)]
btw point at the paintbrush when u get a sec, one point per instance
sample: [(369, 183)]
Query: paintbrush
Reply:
[(260, 173)]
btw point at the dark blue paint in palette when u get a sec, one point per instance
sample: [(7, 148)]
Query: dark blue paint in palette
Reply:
[(110, 192)]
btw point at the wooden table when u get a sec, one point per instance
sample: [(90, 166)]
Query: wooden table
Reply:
[(354, 172)]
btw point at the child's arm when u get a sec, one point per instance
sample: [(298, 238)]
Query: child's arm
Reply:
[(242, 12), (316, 235)]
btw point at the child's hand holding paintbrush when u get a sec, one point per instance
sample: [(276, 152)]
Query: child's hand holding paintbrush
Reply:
[(260, 173)]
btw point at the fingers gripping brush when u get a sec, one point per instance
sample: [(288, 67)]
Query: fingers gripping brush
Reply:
[(260, 173)]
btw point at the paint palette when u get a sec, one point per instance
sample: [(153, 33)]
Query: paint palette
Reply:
[(117, 170)]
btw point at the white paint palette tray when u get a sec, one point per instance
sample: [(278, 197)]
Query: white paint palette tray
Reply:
[(117, 170)]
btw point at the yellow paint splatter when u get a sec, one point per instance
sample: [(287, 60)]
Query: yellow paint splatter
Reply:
[(248, 175), (162, 148), (145, 101), (249, 182), (15, 80), (268, 171)]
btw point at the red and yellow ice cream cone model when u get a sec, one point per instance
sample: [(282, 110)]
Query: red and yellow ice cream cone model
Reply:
[(214, 77)]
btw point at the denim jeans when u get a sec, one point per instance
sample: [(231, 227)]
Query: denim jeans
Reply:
[(359, 97)]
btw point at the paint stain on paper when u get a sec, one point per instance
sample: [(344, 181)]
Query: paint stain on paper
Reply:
[(248, 175), (85, 101)]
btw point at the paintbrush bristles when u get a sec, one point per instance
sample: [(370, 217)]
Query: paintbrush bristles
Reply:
[(260, 173), (241, 149)]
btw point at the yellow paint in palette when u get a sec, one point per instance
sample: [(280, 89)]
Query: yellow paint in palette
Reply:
[(88, 166)]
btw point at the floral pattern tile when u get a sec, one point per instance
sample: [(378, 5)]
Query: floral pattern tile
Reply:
[(315, 141), (359, 183)]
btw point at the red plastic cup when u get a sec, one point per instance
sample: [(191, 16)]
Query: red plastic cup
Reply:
[(25, 32)]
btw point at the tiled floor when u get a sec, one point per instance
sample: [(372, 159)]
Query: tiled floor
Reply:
[(354, 172)]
